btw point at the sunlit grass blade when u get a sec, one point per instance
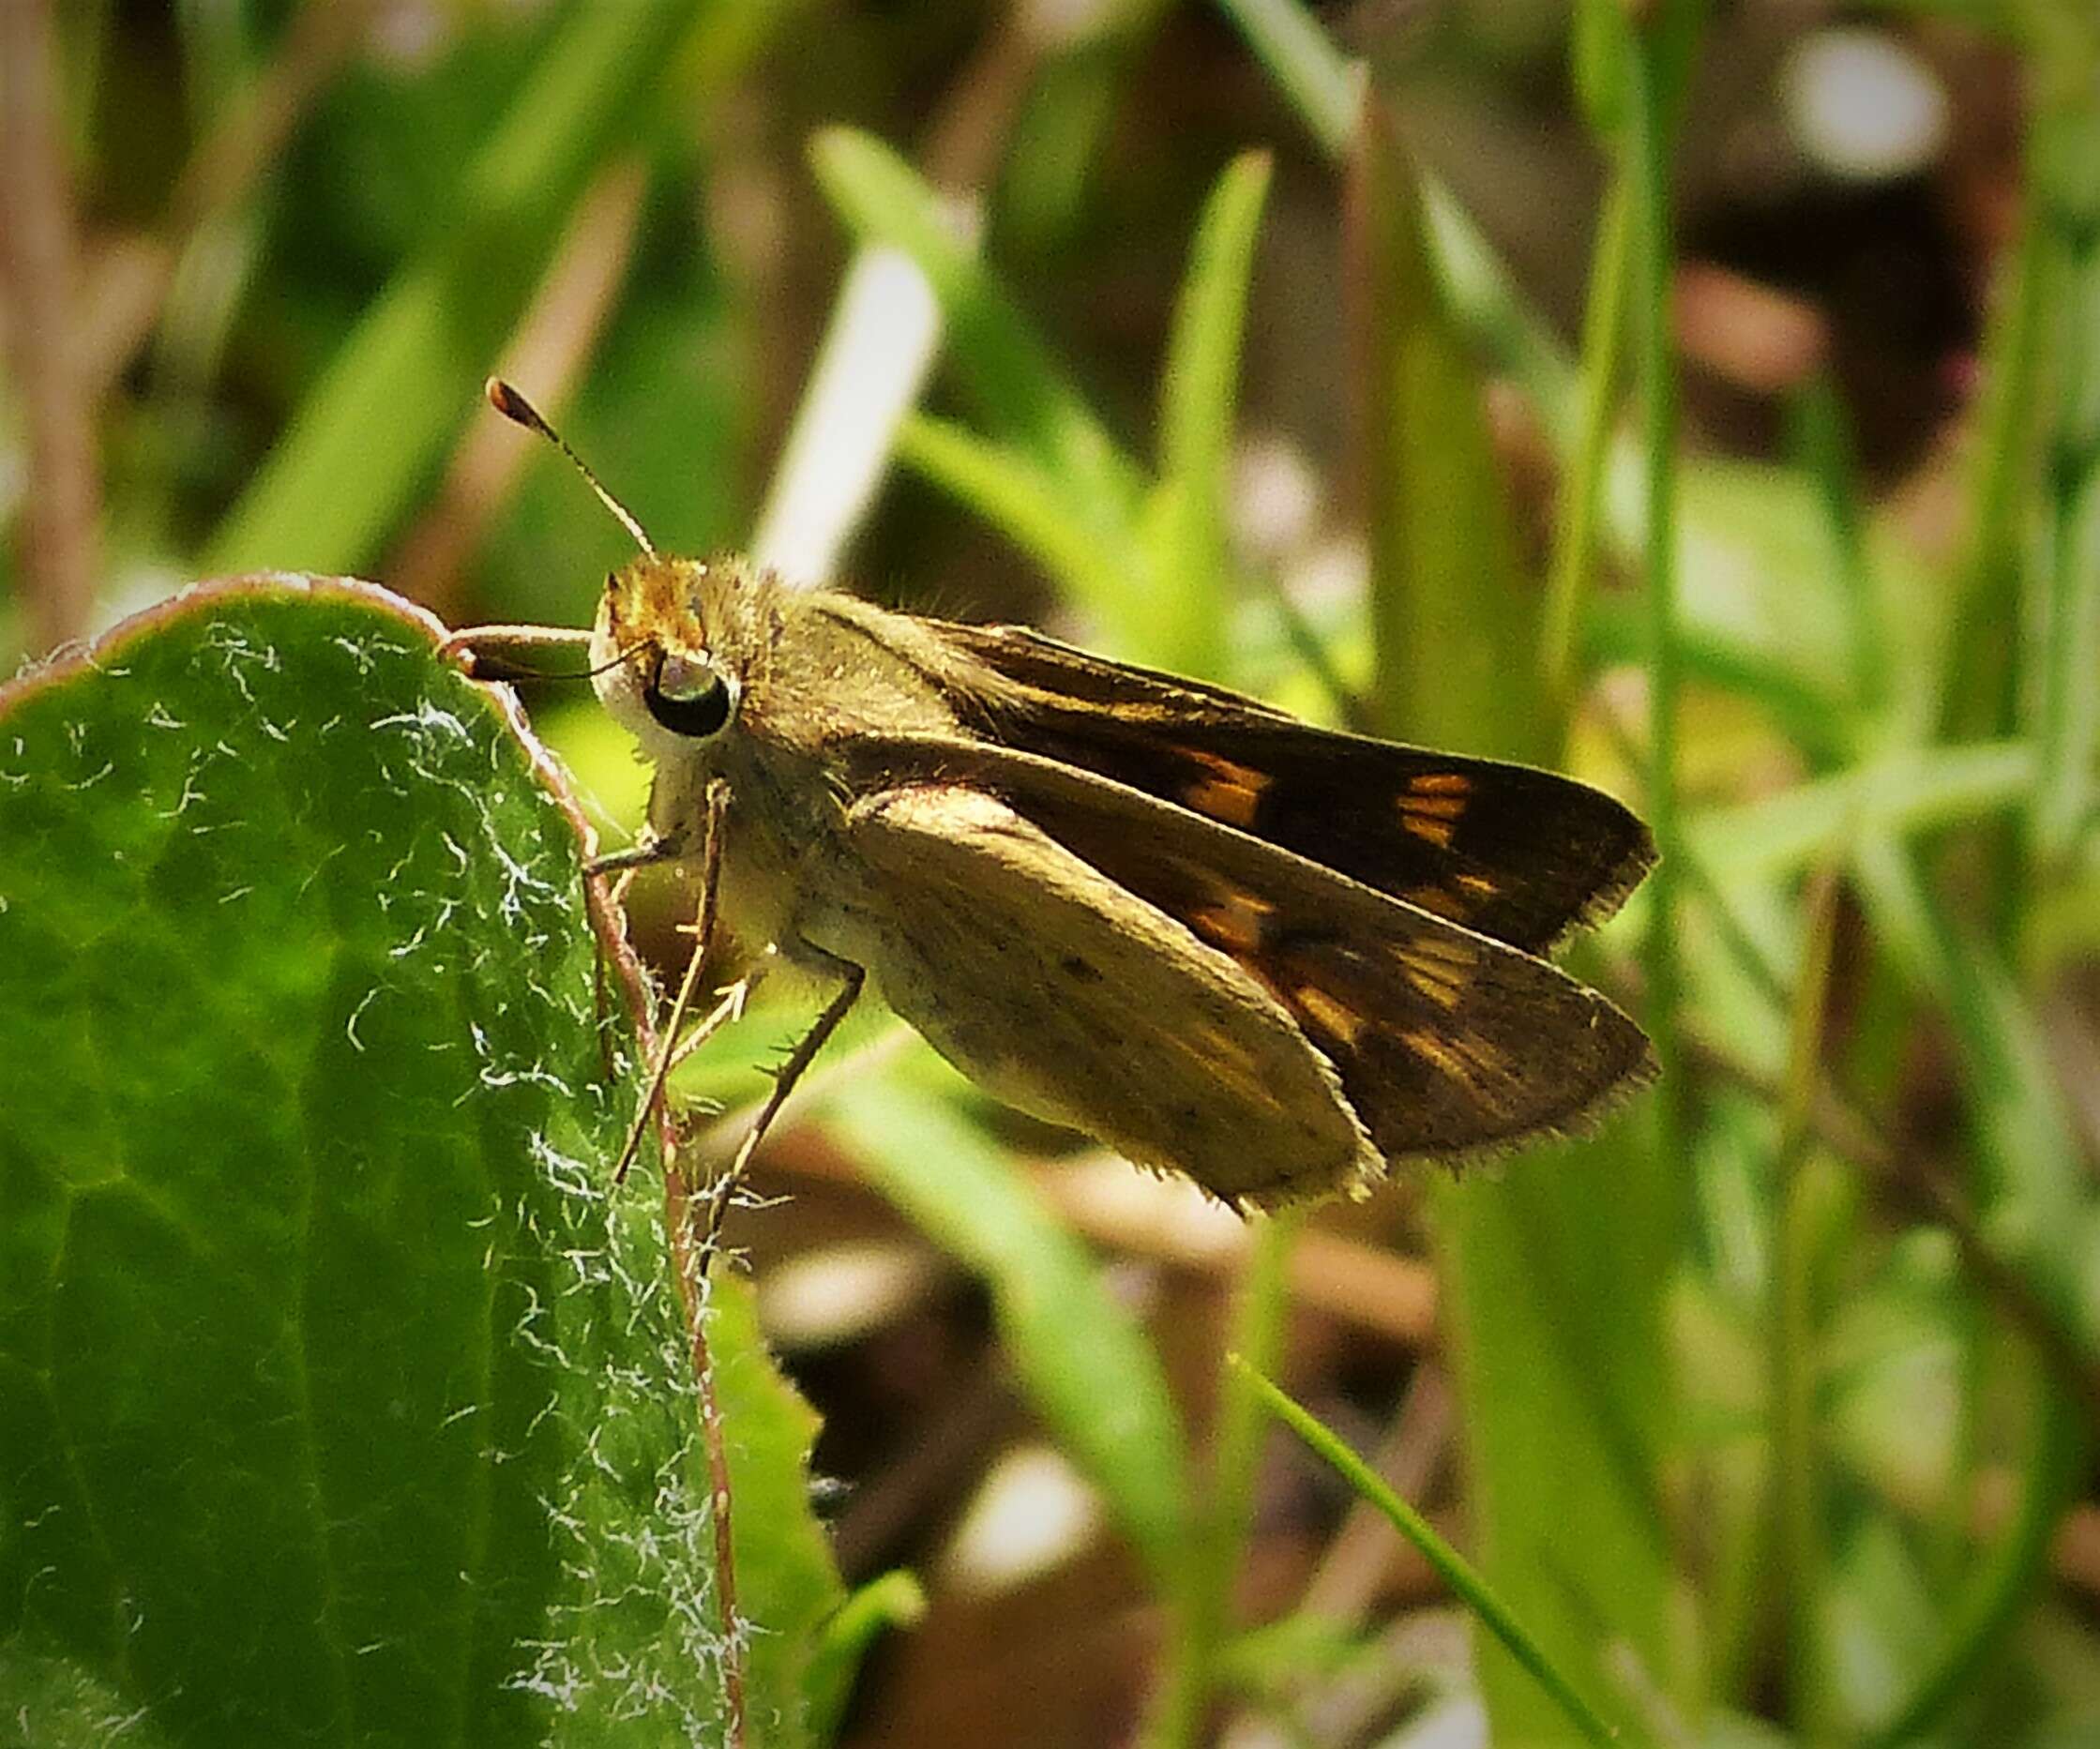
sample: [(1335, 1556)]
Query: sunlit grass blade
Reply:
[(1018, 389), (1183, 600), (884, 332), (1322, 84), (1225, 1516), (1901, 794), (1004, 486), (1451, 1566), (1576, 530)]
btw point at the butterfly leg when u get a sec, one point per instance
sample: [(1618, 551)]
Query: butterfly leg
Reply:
[(712, 810), (648, 849), (475, 647), (731, 1007), (851, 979)]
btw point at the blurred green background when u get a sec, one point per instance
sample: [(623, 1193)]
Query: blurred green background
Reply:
[(1702, 400)]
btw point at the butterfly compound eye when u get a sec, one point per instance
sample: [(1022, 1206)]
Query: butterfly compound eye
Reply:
[(688, 698)]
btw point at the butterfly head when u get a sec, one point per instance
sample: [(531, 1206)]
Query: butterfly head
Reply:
[(662, 659)]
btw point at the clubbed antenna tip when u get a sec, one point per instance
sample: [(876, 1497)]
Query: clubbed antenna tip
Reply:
[(519, 411)]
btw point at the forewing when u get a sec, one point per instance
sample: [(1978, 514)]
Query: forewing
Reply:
[(1447, 1042), (1045, 982), (1511, 851)]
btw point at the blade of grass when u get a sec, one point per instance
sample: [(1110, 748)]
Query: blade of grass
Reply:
[(2063, 709), (1646, 172), (1186, 595), (1903, 794), (2032, 1187), (1005, 487), (1452, 1567), (1796, 1483), (2031, 1198), (1976, 681), (1577, 527), (876, 353), (1327, 89), (1081, 1358), (1554, 1271), (2066, 726), (1258, 1304), (1442, 555), (1321, 83), (1719, 655), (1823, 439), (361, 443), (1020, 392), (894, 1599), (2005, 1589)]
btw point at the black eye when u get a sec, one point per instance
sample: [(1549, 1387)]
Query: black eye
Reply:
[(688, 698)]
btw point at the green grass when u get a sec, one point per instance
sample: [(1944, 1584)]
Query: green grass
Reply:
[(1774, 1394)]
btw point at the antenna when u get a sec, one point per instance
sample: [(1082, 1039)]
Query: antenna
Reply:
[(519, 411)]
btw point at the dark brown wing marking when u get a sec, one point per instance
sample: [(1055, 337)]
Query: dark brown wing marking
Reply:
[(1514, 853)]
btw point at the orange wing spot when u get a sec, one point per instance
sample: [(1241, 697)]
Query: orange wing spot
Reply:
[(1231, 793), (1478, 883), (1441, 783), (1444, 951), (1446, 995), (1437, 901), (1489, 1058), (1438, 832), (1227, 802), (1435, 968), (1438, 1054), (1463, 1059), (1433, 806), (1234, 922), (1337, 1018)]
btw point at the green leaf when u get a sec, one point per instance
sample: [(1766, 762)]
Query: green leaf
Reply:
[(894, 1600), (365, 439), (344, 1396)]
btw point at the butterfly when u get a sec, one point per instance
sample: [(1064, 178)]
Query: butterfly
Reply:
[(1274, 958)]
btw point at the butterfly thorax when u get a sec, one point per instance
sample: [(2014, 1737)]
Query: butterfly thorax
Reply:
[(805, 674)]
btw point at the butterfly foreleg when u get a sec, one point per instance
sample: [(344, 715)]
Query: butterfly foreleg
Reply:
[(713, 807), (649, 849), (723, 1191)]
